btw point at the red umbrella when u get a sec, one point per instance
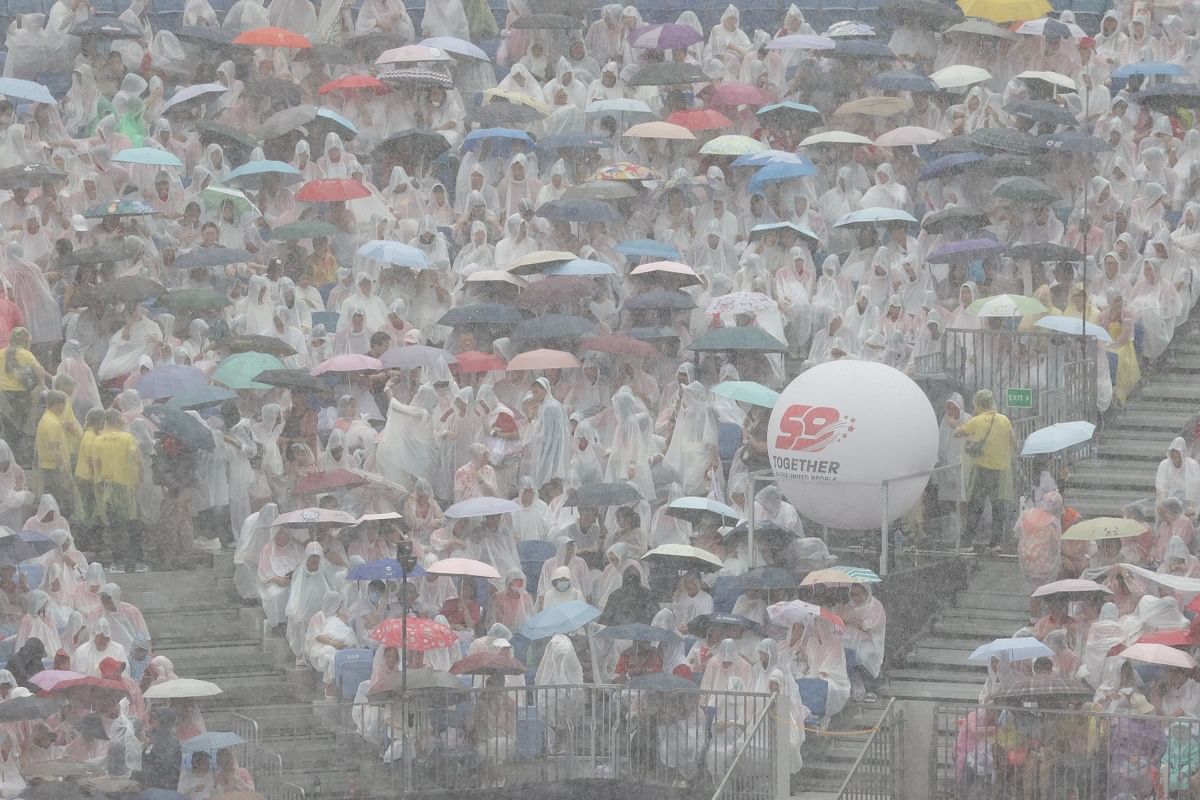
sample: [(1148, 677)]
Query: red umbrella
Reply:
[(488, 664), (475, 361), (273, 37), (735, 93), (332, 190), (703, 119), (328, 481), (618, 344), (422, 634), (555, 291), (1170, 638), (352, 82), (88, 685)]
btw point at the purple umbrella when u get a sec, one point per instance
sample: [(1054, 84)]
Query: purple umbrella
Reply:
[(668, 36), (948, 165), (165, 382), (965, 249)]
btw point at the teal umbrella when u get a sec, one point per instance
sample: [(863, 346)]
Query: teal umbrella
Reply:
[(743, 339), (150, 156), (563, 618), (747, 392), (250, 175), (239, 370), (204, 397), (189, 301)]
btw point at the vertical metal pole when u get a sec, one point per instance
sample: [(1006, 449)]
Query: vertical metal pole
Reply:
[(750, 520), (595, 660), (883, 528), (783, 737)]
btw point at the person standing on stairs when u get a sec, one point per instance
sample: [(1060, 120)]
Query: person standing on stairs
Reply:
[(988, 453)]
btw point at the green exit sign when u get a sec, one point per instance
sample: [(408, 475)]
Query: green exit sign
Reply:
[(1019, 398)]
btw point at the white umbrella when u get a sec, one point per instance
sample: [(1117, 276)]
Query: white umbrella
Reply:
[(693, 510), (1019, 648), (481, 507), (1057, 437), (792, 612), (835, 137), (181, 688), (695, 556), (1159, 654), (462, 566), (956, 76)]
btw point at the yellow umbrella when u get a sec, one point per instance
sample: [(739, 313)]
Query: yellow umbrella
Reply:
[(1005, 10), (832, 575), (660, 130), (875, 106), (1093, 530), (538, 259), (519, 99)]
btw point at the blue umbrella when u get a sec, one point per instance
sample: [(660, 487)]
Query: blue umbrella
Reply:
[(902, 80), (329, 114), (578, 211), (168, 381), (1148, 68), (250, 174), (502, 139), (1072, 325), (17, 547), (563, 618), (26, 90), (780, 172), (1057, 437), (203, 397), (769, 157), (1020, 648), (327, 318), (150, 156), (580, 266), (789, 105), (384, 569), (949, 165), (790, 114), (212, 740), (874, 216), (648, 248), (639, 632), (963, 250), (400, 255)]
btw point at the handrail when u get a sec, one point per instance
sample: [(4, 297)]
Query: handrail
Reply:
[(762, 716), (866, 748)]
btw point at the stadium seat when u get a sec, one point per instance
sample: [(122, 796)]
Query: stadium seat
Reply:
[(531, 733), (813, 693), (350, 668)]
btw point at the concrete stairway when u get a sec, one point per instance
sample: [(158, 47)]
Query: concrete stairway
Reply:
[(828, 759)]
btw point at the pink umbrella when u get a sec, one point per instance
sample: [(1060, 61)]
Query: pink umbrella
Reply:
[(46, 680), (1159, 654), (735, 93), (543, 359), (416, 634), (305, 517), (349, 363), (462, 566)]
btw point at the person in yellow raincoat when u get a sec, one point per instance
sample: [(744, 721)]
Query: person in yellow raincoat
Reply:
[(1118, 321), (51, 444), (117, 465)]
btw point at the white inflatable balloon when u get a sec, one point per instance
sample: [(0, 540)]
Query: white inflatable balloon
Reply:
[(842, 428)]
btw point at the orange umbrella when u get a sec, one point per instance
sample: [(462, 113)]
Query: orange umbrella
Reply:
[(475, 361), (543, 359), (273, 37), (352, 82), (703, 119), (331, 190)]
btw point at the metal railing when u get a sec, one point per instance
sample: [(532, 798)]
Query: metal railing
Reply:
[(246, 728), (878, 772), (751, 774), (1018, 752)]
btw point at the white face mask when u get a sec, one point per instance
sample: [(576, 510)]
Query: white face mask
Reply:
[(562, 585)]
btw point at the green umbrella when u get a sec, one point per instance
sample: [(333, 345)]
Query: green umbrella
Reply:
[(189, 301), (1023, 189), (214, 196), (742, 338), (747, 392), (239, 370), (304, 229)]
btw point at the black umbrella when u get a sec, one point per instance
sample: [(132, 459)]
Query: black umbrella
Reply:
[(1010, 140), (668, 74), (563, 210), (28, 176), (929, 12), (1005, 165), (636, 632), (1025, 190), (660, 299), (482, 314), (954, 144), (1045, 251), (662, 682), (902, 80), (130, 290), (766, 532), (189, 301), (182, 426), (106, 26), (954, 216), (1073, 142), (699, 626), (211, 257), (1041, 111), (291, 379), (547, 22), (553, 326), (371, 46), (414, 141), (503, 114), (207, 37), (769, 578), (255, 343), (224, 135), (1167, 97), (100, 254), (603, 494), (859, 48), (21, 709)]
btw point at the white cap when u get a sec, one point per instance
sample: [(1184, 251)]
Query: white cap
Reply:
[(498, 643), (79, 224)]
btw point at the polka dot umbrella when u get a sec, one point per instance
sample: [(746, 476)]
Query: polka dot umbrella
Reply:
[(421, 634)]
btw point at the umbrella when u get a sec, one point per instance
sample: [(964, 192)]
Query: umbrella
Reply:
[(467, 567), (216, 196), (48, 679), (211, 257), (739, 303), (255, 343), (436, 687), (1049, 25), (189, 301), (411, 54), (700, 119), (96, 255), (1055, 79), (543, 359), (1070, 586), (671, 272), (28, 176), (659, 299), (501, 113), (1152, 68), (348, 362), (563, 618), (860, 49), (208, 37), (383, 569), (697, 510), (332, 190), (742, 339), (669, 36), (859, 574), (592, 191), (909, 136), (593, 495), (16, 547), (413, 633), (350, 83), (89, 684), (957, 76), (250, 175), (780, 172), (879, 106), (563, 210), (304, 229), (699, 626), (768, 578), (732, 144), (789, 114), (204, 397), (929, 12), (1009, 140), (168, 381), (273, 37), (314, 518), (1165, 98), (487, 664), (225, 135), (618, 344), (637, 632), (572, 140), (662, 682), (625, 171), (481, 507), (519, 99), (538, 259), (579, 267), (290, 379), (120, 208), (1098, 528), (130, 290), (458, 47), (850, 29), (271, 90), (1074, 325), (964, 250), (26, 90), (1020, 648), (328, 481), (1041, 111), (959, 216), (105, 26), (416, 355), (149, 156), (1005, 10), (1148, 654), (795, 612), (395, 253), (950, 165), (874, 215), (1006, 305), (668, 74), (497, 276), (555, 292), (799, 230), (647, 248), (212, 740), (239, 370), (747, 392), (1073, 142), (801, 41), (554, 22), (735, 93), (684, 557), (1058, 436), (482, 314), (180, 688), (506, 137), (660, 130), (181, 426), (1045, 251), (21, 709), (1175, 638), (553, 326)]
